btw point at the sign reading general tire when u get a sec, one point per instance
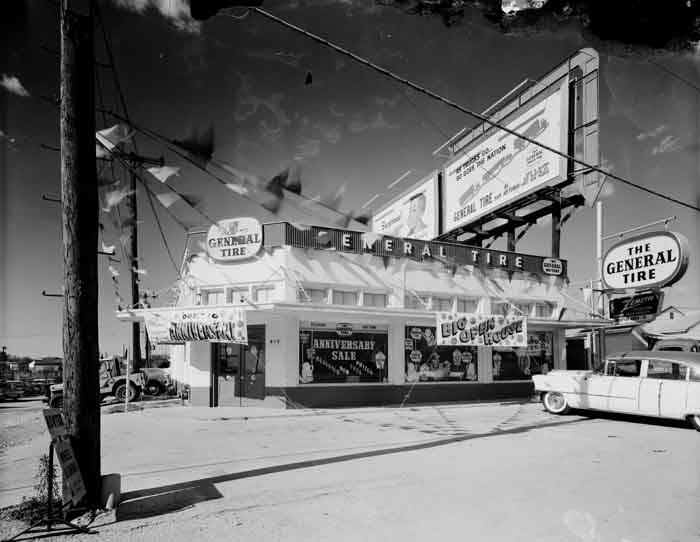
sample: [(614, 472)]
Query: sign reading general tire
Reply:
[(652, 260), (234, 239)]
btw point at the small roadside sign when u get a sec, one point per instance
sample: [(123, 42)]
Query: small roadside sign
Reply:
[(73, 480)]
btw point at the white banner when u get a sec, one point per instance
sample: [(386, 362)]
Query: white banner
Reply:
[(414, 215), (465, 329), (213, 325), (503, 167)]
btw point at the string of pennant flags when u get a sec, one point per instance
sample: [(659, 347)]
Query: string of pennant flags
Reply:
[(198, 151)]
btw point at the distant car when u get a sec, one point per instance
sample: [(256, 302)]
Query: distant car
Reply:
[(13, 389), (664, 384)]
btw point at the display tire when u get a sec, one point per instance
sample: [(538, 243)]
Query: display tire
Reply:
[(120, 392), (57, 403), (695, 421), (555, 403)]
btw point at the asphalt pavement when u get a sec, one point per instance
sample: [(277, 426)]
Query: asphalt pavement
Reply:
[(455, 472)]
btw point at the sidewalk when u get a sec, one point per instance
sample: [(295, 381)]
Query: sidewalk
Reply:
[(150, 447)]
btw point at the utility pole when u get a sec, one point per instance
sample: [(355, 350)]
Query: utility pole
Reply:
[(79, 216), (136, 161), (133, 255)]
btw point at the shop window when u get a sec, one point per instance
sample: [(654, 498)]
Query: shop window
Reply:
[(213, 297), (412, 301), (695, 374), (467, 305), (344, 298), (313, 295), (344, 354), (522, 363), (238, 296), (443, 304), (374, 300), (428, 362), (264, 294), (544, 310)]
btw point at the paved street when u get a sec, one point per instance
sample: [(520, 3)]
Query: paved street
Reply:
[(482, 472)]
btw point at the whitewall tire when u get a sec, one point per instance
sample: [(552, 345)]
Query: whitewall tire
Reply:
[(555, 402), (695, 421)]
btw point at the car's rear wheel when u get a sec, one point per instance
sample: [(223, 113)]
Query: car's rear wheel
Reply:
[(695, 421), (555, 402)]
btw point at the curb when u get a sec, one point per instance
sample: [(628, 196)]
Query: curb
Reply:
[(243, 413)]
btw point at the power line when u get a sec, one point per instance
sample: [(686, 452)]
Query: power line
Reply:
[(465, 110)]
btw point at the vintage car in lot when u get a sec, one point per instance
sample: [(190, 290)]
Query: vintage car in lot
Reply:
[(665, 384)]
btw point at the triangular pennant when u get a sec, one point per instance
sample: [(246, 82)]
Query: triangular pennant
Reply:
[(191, 199), (200, 144), (168, 199), (114, 197), (386, 260), (164, 173), (114, 271), (110, 138), (237, 188)]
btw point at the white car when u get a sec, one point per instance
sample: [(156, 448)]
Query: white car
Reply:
[(664, 384)]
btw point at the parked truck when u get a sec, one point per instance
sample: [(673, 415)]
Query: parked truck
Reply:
[(113, 381)]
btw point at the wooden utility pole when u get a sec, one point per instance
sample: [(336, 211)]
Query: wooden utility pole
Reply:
[(133, 256), (80, 207)]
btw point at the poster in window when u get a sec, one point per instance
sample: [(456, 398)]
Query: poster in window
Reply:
[(344, 354), (522, 363), (426, 361)]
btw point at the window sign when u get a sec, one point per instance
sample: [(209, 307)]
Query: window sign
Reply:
[(426, 361), (343, 353), (523, 362)]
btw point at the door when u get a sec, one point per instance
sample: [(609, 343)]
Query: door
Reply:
[(596, 390), (664, 390), (624, 390), (239, 370)]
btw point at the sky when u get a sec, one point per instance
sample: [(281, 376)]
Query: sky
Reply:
[(350, 130)]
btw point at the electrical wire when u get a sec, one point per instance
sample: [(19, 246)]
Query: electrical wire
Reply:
[(465, 110)]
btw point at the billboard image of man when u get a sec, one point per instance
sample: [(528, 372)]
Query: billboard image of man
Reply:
[(416, 212)]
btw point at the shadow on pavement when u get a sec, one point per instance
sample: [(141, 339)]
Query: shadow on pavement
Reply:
[(631, 418), (172, 497), (166, 500)]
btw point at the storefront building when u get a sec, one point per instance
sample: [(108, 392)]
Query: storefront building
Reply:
[(339, 318)]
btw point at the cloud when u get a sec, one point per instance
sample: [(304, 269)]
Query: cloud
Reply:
[(652, 133), (290, 59), (309, 148), (387, 102), (330, 132), (176, 11), (667, 144), (335, 112), (13, 84), (379, 122), (269, 133)]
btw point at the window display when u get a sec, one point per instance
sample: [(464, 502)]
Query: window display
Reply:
[(522, 363), (428, 362), (342, 353)]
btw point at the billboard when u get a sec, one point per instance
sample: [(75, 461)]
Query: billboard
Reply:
[(413, 215), (500, 168)]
